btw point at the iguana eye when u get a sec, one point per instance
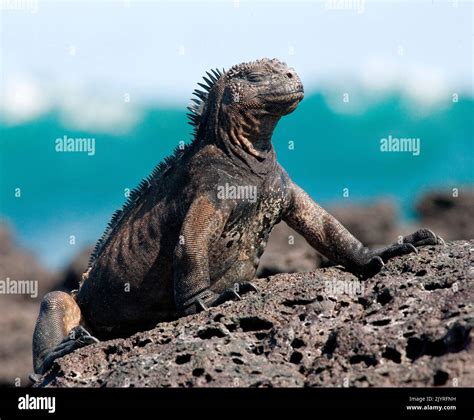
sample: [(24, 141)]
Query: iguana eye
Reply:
[(255, 77)]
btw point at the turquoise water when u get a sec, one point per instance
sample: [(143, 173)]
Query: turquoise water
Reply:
[(64, 194)]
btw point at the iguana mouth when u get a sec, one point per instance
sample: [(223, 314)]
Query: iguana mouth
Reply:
[(285, 103), (287, 97)]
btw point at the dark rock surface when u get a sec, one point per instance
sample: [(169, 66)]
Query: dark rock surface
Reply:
[(410, 325)]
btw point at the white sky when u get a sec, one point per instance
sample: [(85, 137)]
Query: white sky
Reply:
[(158, 50)]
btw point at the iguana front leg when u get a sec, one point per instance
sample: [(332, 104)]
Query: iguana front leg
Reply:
[(334, 241), (201, 227)]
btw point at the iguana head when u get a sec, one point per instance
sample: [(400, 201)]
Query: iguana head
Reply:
[(266, 86), (241, 107)]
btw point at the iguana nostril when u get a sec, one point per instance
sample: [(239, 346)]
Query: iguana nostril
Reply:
[(289, 75)]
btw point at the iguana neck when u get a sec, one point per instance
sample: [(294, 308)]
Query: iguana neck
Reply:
[(246, 137)]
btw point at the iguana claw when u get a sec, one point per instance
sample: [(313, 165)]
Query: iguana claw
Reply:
[(245, 287), (371, 268), (235, 292), (201, 305), (423, 237), (225, 296), (408, 245), (34, 377)]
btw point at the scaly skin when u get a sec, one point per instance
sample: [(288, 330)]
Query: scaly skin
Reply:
[(178, 246)]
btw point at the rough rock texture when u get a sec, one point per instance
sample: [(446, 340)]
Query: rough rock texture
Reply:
[(410, 325), (451, 216)]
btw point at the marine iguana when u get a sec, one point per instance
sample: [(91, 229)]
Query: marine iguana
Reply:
[(179, 246)]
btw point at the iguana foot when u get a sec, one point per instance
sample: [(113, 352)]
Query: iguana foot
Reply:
[(207, 298), (78, 337), (225, 296), (378, 258), (369, 269), (245, 287), (409, 244), (423, 237), (81, 336), (235, 292)]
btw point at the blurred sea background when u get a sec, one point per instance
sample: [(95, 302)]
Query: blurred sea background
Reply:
[(123, 72)]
